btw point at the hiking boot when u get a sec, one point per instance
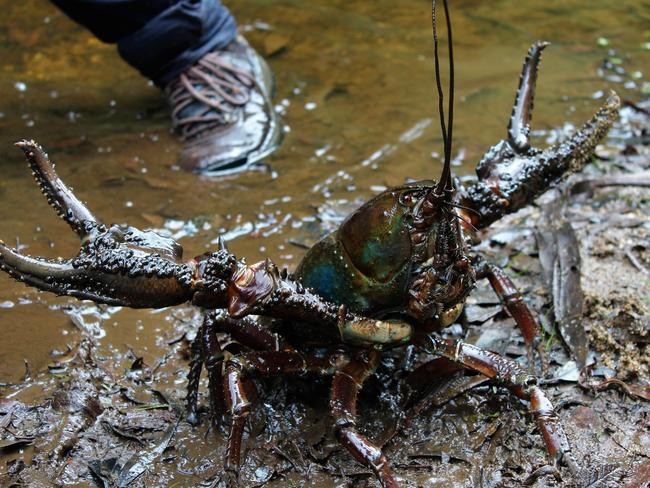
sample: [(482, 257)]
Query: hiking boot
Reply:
[(221, 109)]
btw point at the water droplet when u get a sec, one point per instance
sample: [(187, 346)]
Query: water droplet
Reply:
[(20, 86), (322, 150)]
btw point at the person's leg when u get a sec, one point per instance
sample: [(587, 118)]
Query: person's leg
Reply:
[(111, 20), (218, 86), (160, 38)]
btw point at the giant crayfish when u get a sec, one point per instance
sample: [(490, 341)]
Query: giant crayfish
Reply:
[(396, 271)]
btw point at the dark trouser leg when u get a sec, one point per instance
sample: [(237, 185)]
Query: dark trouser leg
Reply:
[(345, 389), (160, 38), (510, 374), (268, 363)]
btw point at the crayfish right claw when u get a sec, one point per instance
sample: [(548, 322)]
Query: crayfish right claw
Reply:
[(512, 173), (58, 195), (509, 180), (120, 265)]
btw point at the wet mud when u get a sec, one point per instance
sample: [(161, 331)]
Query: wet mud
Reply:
[(93, 395)]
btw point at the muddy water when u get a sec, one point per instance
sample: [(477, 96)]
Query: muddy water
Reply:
[(355, 84)]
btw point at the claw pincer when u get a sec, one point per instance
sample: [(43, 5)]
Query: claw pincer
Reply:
[(512, 173)]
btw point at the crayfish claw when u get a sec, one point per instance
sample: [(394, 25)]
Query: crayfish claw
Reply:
[(58, 195), (47, 275), (509, 180), (118, 266), (522, 110)]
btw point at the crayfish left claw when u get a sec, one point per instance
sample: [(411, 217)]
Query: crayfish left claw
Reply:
[(522, 111), (512, 173)]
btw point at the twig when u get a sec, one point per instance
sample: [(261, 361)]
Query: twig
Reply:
[(637, 264)]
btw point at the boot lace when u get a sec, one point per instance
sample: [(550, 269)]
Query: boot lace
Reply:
[(216, 87)]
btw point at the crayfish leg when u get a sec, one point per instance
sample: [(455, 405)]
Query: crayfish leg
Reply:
[(206, 351), (514, 303), (240, 369), (511, 375), (345, 389)]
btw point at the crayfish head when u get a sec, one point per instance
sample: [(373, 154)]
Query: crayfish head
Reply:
[(444, 279)]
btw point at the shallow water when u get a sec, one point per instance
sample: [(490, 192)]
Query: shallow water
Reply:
[(355, 85)]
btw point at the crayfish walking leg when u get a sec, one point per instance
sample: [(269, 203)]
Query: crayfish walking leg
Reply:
[(206, 350), (512, 375), (240, 369), (345, 389)]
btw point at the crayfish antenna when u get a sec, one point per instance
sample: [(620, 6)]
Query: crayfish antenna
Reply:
[(522, 110), (445, 187), (58, 195)]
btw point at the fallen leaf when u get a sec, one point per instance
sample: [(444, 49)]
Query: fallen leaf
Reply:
[(640, 391)]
